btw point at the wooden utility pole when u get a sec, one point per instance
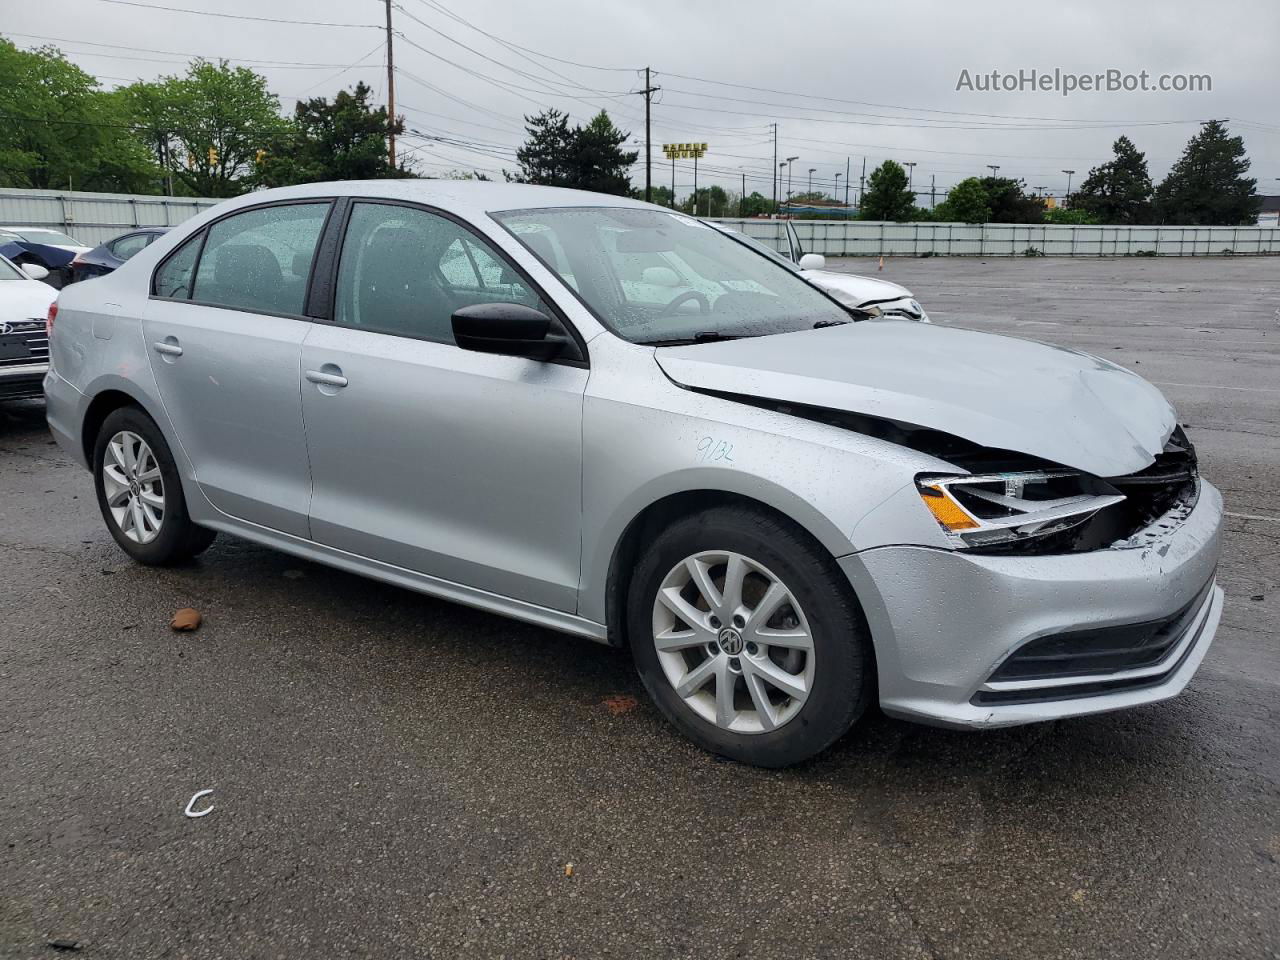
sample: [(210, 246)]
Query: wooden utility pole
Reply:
[(648, 91), (391, 95)]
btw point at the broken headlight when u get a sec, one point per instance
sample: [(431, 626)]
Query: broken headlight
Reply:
[(996, 509)]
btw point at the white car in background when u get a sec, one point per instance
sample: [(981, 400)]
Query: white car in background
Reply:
[(24, 338), (870, 294)]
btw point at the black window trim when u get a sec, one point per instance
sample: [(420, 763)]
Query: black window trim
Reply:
[(203, 234), (583, 358)]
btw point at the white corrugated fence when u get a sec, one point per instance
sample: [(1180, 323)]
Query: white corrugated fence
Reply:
[(92, 218)]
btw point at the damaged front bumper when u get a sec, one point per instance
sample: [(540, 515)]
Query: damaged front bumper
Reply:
[(971, 640)]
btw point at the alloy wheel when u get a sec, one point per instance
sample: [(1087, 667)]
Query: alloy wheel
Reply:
[(733, 642), (133, 486)]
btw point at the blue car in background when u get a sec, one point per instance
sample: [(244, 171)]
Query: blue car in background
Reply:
[(47, 248), (105, 257)]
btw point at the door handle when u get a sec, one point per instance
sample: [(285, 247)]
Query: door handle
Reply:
[(326, 379), (169, 348)]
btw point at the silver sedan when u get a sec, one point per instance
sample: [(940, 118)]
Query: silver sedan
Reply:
[(614, 421)]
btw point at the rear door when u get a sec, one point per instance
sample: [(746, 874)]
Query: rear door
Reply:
[(464, 466), (224, 331)]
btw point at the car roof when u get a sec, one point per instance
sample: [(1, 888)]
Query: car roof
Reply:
[(465, 197)]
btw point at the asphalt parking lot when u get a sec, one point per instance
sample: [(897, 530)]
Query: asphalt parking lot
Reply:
[(399, 776)]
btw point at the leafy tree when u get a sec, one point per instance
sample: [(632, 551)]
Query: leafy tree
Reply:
[(217, 118), (710, 201), (1208, 186), (1070, 216), (461, 175), (58, 130), (966, 202), (661, 195), (1118, 191), (1010, 203), (342, 140), (887, 196), (756, 205)]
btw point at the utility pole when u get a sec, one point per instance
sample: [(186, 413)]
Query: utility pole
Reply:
[(846, 188), (775, 174), (1069, 173), (933, 188), (648, 91), (862, 183), (994, 168), (391, 95), (742, 203)]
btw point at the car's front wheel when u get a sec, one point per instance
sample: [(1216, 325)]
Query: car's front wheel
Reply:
[(140, 493), (748, 638)]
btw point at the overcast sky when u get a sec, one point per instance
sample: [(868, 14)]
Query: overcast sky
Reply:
[(888, 71)]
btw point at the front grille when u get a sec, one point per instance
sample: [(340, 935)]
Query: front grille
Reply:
[(1094, 655), (23, 342)]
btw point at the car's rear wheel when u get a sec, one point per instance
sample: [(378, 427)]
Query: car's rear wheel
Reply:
[(140, 493), (748, 638)]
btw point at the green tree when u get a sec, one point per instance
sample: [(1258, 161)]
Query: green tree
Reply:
[(602, 166), (345, 139), (756, 205), (547, 157), (1069, 216), (1118, 191), (887, 196), (584, 158), (966, 202), (1208, 186), (710, 201), (1010, 203), (217, 118), (58, 130)]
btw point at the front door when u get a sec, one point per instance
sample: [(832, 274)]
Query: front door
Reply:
[(224, 334), (464, 466)]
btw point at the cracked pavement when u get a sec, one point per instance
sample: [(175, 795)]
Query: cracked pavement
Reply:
[(399, 776)]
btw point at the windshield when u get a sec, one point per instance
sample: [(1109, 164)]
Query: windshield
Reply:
[(9, 272), (51, 237), (652, 276)]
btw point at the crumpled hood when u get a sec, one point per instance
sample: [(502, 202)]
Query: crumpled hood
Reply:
[(25, 299), (1049, 402), (857, 290)]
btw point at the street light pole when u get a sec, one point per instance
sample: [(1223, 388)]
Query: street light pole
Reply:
[(811, 169), (911, 181), (790, 160), (836, 193), (1068, 173)]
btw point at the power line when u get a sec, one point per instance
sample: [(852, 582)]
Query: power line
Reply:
[(236, 16), (175, 53)]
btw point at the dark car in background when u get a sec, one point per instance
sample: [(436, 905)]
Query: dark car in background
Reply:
[(105, 257), (47, 248)]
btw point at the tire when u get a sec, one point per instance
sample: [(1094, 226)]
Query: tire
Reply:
[(167, 534), (785, 702)]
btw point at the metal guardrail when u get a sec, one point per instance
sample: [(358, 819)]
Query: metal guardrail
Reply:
[(94, 217), (873, 238)]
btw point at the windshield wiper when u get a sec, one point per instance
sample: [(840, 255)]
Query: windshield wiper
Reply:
[(830, 323), (707, 336)]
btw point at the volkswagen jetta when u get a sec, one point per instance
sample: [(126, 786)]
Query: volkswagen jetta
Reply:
[(612, 420)]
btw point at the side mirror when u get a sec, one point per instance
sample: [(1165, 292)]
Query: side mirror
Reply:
[(35, 271), (511, 329), (813, 261)]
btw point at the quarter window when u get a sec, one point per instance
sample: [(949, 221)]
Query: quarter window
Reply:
[(173, 279), (261, 259), (405, 271), (126, 247)]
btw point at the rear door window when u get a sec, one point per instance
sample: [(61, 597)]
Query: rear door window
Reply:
[(260, 260)]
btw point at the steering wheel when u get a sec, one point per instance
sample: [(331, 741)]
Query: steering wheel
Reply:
[(704, 305)]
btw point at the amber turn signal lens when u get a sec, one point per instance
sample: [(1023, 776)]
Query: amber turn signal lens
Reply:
[(945, 510)]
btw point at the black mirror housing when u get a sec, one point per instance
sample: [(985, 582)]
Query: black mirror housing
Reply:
[(511, 329)]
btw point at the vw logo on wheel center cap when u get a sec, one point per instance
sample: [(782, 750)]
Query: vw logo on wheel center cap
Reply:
[(730, 641)]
